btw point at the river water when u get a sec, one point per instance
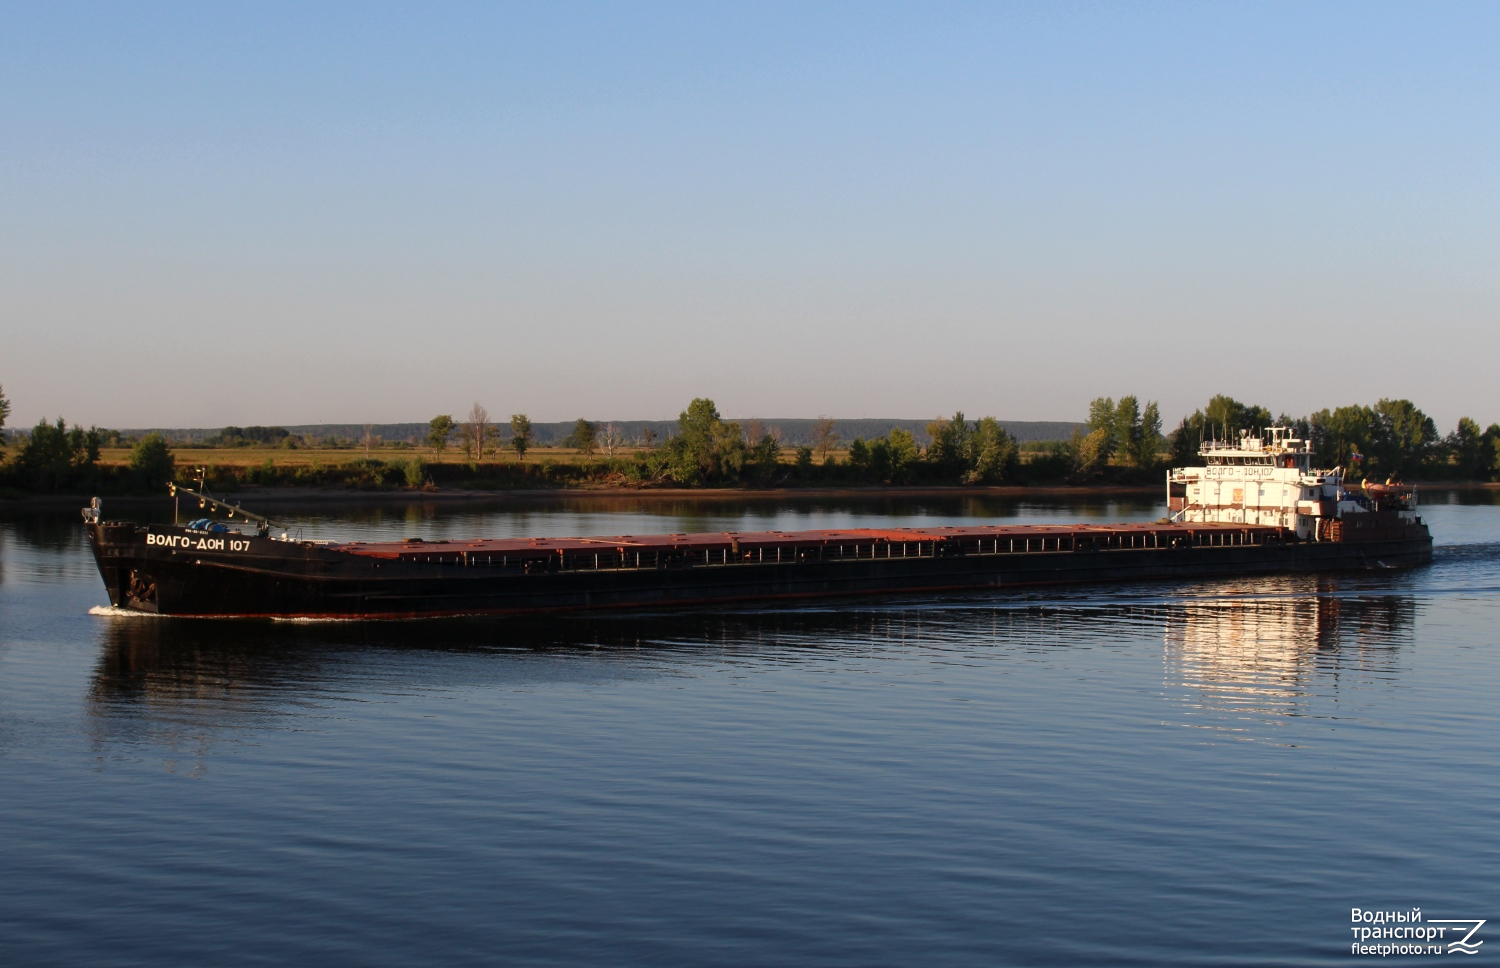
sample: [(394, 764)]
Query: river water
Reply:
[(1175, 773)]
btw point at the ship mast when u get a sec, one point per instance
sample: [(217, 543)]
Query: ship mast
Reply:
[(206, 500)]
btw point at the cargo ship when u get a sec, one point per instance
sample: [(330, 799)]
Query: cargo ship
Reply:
[(1255, 506)]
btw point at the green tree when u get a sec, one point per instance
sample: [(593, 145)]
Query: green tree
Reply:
[(1183, 443), (979, 453), (1129, 434), (764, 457), (1102, 419), (584, 437), (1300, 427), (1145, 438), (440, 431), (152, 462), (55, 458), (4, 412), (1090, 452), (881, 468), (859, 456), (890, 459), (705, 448), (45, 462), (413, 470), (1127, 428), (903, 455), (1470, 452), (991, 453), (948, 451), (1405, 438), (85, 446), (1341, 437), (1222, 419), (1225, 417), (520, 435)]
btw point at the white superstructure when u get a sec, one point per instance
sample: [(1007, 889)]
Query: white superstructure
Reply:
[(1270, 480)]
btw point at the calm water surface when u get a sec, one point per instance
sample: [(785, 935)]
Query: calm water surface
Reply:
[(1155, 774)]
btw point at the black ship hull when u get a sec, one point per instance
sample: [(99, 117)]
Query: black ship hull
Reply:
[(170, 570)]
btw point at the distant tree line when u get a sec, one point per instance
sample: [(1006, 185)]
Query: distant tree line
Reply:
[(251, 437), (708, 450), (1121, 442)]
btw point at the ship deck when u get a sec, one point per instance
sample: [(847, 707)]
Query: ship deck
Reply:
[(726, 547)]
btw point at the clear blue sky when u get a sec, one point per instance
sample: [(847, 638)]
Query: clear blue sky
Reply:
[(314, 212)]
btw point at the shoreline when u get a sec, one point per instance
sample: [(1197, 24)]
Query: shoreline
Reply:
[(266, 497)]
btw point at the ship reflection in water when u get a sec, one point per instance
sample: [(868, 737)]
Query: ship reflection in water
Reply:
[(187, 685), (1265, 654), (1236, 654)]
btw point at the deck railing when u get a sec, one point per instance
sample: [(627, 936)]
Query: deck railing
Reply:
[(728, 557)]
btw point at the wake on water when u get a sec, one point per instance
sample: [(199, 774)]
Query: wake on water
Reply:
[(110, 611)]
